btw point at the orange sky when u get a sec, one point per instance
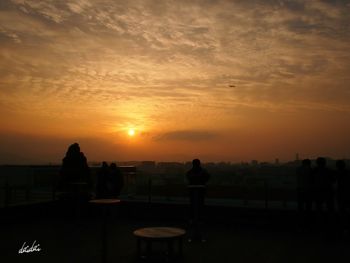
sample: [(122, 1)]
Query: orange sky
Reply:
[(218, 80)]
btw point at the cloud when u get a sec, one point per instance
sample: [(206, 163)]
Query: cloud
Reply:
[(187, 135), (19, 148), (159, 61)]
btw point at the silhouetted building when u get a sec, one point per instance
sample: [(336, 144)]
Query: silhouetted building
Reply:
[(254, 163)]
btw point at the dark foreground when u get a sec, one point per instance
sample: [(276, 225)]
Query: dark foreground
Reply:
[(233, 235)]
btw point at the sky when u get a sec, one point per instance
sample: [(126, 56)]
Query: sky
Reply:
[(215, 80)]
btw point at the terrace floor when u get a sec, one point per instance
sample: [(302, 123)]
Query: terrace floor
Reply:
[(233, 235)]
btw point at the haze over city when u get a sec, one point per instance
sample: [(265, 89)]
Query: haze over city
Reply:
[(174, 80)]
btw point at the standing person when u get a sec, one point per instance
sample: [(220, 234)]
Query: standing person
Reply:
[(102, 177), (324, 195), (117, 180), (304, 188), (323, 185), (110, 181), (197, 178), (343, 194)]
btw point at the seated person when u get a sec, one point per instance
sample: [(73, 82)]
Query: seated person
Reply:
[(75, 173), (110, 181)]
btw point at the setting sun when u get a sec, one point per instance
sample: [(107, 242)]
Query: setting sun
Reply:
[(131, 132)]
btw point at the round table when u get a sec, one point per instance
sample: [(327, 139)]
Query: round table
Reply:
[(105, 203), (159, 234)]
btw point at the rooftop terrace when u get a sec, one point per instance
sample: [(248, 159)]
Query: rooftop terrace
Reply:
[(233, 234)]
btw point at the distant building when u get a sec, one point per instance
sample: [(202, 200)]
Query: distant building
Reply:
[(254, 163), (171, 168), (147, 166), (129, 163)]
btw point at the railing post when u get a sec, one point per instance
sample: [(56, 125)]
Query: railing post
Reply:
[(266, 194), (53, 196), (7, 192), (245, 197), (149, 189), (284, 203), (30, 179)]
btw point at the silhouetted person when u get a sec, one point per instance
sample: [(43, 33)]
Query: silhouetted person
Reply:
[(197, 178), (75, 170), (304, 188), (343, 193), (110, 181), (76, 182), (117, 180), (102, 177), (323, 186)]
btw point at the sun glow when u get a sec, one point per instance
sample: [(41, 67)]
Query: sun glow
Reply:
[(131, 132)]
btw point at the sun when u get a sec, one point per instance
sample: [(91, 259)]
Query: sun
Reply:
[(131, 132)]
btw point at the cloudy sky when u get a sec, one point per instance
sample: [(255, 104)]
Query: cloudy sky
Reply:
[(218, 80)]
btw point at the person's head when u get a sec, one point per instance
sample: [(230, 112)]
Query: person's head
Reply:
[(306, 163), (321, 162), (104, 165), (73, 149), (196, 163), (113, 165), (340, 164)]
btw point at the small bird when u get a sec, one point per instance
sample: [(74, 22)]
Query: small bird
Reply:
[(232, 86)]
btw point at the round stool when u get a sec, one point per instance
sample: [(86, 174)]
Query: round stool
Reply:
[(159, 234)]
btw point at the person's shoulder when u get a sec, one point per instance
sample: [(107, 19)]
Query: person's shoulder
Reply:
[(205, 171), (116, 170), (82, 157), (189, 171)]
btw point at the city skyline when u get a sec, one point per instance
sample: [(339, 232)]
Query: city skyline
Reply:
[(174, 80)]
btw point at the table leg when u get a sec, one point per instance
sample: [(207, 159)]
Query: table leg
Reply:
[(138, 248), (170, 249), (104, 236), (148, 249), (180, 246)]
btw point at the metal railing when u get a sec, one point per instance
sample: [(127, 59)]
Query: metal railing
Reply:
[(28, 184)]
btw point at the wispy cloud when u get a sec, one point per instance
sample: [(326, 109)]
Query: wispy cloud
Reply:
[(190, 135), (123, 46), (151, 60)]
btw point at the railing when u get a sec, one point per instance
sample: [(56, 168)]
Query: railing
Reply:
[(253, 192), (28, 184)]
